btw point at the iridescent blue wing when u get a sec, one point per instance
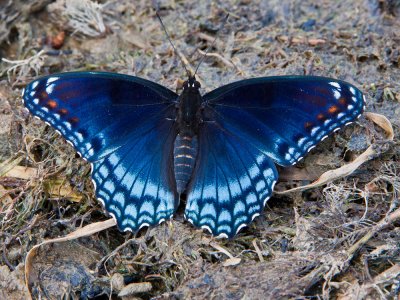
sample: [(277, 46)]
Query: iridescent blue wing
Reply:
[(124, 126), (285, 117), (231, 184), (248, 125)]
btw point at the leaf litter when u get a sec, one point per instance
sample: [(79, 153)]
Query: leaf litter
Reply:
[(330, 239)]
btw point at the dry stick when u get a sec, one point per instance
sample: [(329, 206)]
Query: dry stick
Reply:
[(319, 273), (224, 60), (5, 258), (258, 251), (388, 220), (388, 276), (389, 273), (231, 261)]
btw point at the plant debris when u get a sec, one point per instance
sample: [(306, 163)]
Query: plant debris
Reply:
[(336, 239)]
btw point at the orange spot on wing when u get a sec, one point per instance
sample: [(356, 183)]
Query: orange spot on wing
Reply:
[(66, 91), (343, 101), (74, 120), (321, 117), (308, 125), (323, 91), (44, 95), (51, 104), (63, 111), (333, 109)]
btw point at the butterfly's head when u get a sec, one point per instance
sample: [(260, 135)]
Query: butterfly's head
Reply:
[(191, 83)]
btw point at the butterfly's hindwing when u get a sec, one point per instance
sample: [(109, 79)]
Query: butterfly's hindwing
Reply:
[(134, 182), (232, 182)]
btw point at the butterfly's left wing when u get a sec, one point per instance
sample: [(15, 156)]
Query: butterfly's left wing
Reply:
[(248, 125), (231, 184), (124, 126)]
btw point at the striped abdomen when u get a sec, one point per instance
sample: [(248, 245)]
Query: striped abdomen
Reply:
[(185, 153)]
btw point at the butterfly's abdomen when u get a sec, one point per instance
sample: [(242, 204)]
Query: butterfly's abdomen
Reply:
[(185, 153)]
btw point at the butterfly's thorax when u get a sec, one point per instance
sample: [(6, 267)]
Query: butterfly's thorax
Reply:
[(185, 146), (189, 105)]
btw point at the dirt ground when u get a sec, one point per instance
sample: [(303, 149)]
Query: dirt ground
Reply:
[(337, 241)]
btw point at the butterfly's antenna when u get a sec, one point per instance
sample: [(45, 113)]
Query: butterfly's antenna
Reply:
[(212, 44), (169, 39)]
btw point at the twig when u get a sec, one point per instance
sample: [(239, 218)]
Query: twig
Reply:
[(391, 218), (5, 258), (260, 257), (224, 60)]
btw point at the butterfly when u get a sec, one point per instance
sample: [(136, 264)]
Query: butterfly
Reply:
[(149, 147)]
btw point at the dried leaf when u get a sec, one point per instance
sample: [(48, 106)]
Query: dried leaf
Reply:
[(21, 172), (59, 188), (9, 164), (382, 122), (232, 262)]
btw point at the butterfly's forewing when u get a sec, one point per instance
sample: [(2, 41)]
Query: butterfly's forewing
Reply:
[(122, 125), (285, 117), (250, 122), (96, 111)]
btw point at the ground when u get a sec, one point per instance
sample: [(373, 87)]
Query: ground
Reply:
[(339, 240)]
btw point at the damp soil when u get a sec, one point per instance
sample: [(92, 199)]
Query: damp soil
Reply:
[(302, 247)]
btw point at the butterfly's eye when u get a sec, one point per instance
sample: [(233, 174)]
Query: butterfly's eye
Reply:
[(197, 84)]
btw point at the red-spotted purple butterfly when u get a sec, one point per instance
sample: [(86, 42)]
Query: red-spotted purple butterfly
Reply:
[(148, 146)]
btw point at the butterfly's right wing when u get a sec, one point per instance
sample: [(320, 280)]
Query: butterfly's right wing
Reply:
[(124, 126), (135, 182)]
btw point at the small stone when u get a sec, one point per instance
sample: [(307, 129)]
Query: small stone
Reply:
[(135, 288)]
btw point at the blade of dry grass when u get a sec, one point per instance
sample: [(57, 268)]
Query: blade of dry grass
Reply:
[(231, 261), (9, 165)]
